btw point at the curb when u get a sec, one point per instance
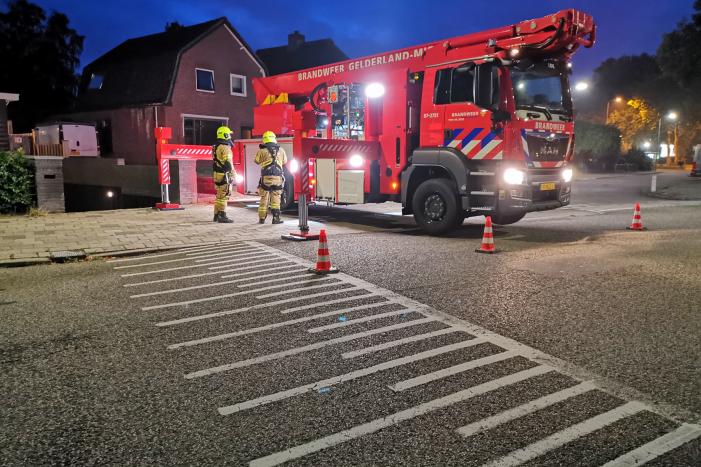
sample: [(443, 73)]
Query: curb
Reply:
[(21, 262)]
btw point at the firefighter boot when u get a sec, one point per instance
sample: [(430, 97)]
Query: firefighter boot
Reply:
[(276, 216), (216, 217), (223, 219)]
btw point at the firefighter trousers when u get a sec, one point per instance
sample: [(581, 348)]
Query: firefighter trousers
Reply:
[(269, 194), (223, 192)]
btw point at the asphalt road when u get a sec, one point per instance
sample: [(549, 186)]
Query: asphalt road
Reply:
[(575, 345)]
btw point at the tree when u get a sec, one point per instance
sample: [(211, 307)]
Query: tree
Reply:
[(597, 146), (43, 54), (637, 121), (173, 26)]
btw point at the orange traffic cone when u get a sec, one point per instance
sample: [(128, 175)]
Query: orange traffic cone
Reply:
[(637, 223), (323, 258), (487, 238)]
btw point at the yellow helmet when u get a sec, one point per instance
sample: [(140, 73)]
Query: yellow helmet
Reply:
[(269, 137), (224, 132)]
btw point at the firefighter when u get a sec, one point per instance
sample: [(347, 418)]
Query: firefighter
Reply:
[(271, 158), (224, 173)]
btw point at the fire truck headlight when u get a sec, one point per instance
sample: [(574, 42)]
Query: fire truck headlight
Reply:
[(239, 179), (514, 176), (356, 160), (567, 175), (294, 166), (374, 90)]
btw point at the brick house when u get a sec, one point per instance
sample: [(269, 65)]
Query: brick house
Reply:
[(299, 54), (192, 78)]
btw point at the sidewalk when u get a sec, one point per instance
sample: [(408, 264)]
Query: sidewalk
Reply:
[(35, 240)]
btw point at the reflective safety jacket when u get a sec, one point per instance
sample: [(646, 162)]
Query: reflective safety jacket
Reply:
[(271, 159), (222, 158)]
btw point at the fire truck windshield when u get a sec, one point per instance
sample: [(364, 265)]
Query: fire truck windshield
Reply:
[(542, 89)]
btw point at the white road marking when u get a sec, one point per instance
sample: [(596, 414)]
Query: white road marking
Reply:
[(304, 348), (524, 409), (245, 292), (450, 371), (178, 252), (253, 307), (364, 319), (396, 418), (232, 246), (179, 268), (191, 276), (398, 342), (275, 294), (227, 264), (332, 302), (255, 281), (272, 326), (257, 271), (222, 254), (213, 284), (655, 448), (569, 434), (249, 404), (249, 254)]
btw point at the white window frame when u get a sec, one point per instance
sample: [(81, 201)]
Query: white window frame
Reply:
[(213, 82), (243, 80)]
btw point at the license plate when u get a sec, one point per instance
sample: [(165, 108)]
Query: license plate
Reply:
[(547, 186)]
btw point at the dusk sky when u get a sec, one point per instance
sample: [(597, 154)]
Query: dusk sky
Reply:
[(364, 27)]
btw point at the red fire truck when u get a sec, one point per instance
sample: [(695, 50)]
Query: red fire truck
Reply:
[(475, 125)]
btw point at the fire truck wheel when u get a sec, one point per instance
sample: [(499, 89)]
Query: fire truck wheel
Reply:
[(504, 219), (435, 206)]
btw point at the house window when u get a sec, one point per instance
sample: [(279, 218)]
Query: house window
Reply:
[(96, 81), (201, 131), (205, 80), (238, 85)]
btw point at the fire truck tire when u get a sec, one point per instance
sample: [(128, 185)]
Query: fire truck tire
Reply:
[(435, 206), (504, 219)]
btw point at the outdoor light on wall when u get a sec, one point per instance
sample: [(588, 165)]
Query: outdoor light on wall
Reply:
[(109, 194), (294, 166), (374, 90), (356, 160)]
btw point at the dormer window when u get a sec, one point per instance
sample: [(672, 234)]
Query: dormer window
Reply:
[(205, 80), (96, 81)]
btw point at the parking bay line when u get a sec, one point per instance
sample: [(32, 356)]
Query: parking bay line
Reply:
[(657, 447), (398, 342), (213, 284), (208, 255), (246, 255), (524, 409), (227, 263), (217, 314), (569, 434), (179, 268), (305, 348), (192, 276), (452, 370), (249, 404), (396, 418), (364, 319), (245, 292), (268, 327), (338, 300)]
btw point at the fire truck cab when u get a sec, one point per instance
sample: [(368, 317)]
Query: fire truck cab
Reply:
[(476, 125)]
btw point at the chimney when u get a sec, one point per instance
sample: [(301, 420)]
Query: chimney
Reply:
[(294, 40)]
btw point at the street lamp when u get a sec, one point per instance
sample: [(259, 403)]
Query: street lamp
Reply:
[(672, 117), (581, 86), (618, 100)]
